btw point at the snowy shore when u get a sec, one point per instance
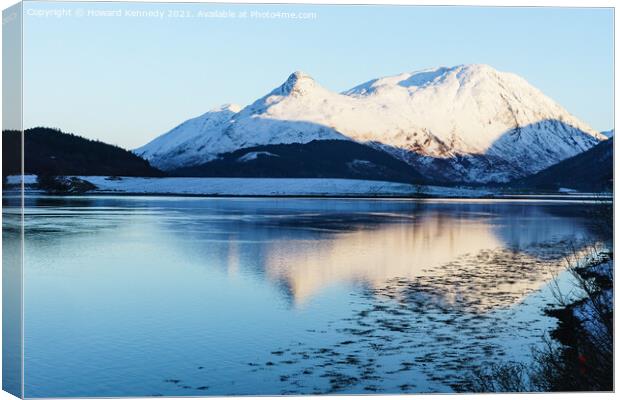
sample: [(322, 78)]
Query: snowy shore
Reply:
[(290, 187), (275, 187)]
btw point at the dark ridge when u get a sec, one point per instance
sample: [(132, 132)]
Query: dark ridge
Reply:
[(50, 151), (590, 171), (316, 159)]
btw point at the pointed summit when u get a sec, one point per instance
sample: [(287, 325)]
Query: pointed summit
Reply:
[(299, 76), (298, 83)]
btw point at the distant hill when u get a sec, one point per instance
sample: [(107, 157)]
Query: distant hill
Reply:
[(316, 159), (591, 170), (51, 152)]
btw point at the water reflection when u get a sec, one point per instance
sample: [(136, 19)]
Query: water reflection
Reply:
[(306, 246), (207, 289), (11, 294), (372, 256)]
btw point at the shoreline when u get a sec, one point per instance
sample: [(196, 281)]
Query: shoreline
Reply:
[(307, 188), (344, 197), (500, 198)]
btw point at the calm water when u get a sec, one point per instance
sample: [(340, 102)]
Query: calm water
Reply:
[(186, 296)]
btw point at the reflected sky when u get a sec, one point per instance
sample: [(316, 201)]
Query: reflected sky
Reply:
[(185, 296), (11, 295)]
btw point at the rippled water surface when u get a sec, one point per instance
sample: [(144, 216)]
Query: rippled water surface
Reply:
[(186, 296)]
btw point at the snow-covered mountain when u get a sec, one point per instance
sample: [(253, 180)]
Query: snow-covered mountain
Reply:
[(465, 123)]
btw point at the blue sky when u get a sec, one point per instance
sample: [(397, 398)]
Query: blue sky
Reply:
[(126, 80)]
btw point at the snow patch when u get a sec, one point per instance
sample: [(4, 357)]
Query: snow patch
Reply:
[(17, 179), (253, 155)]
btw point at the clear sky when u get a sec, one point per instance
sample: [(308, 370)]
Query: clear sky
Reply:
[(125, 80)]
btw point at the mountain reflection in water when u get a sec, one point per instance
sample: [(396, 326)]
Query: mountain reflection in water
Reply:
[(192, 296), (458, 247)]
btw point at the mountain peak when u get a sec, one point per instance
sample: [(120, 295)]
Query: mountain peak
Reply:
[(479, 70), (298, 75), (298, 83), (425, 77), (474, 67)]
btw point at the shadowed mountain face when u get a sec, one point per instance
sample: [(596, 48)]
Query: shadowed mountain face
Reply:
[(591, 170), (317, 159), (52, 152), (519, 152)]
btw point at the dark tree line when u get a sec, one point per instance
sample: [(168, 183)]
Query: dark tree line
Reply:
[(51, 152)]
